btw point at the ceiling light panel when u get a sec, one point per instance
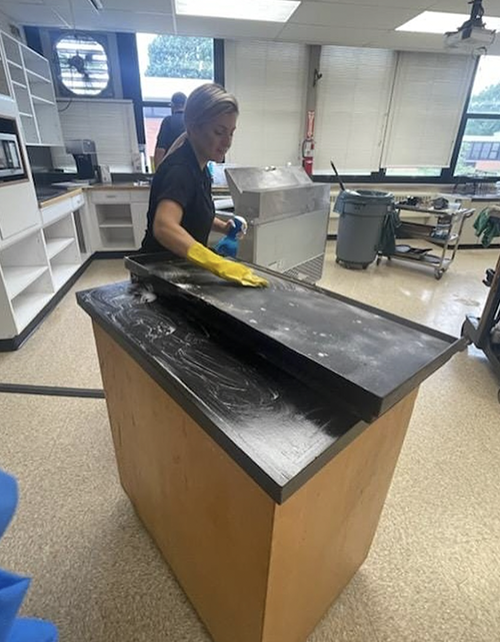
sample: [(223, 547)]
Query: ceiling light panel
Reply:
[(438, 22), (260, 10)]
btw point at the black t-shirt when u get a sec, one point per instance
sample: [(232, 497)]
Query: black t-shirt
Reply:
[(181, 179), (171, 128)]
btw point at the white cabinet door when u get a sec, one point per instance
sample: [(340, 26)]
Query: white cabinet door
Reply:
[(18, 208), (139, 221)]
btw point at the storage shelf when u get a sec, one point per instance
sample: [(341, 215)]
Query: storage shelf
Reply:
[(118, 245), (38, 77), (19, 84), (41, 101), (27, 306), (55, 246), (61, 273), (25, 115), (441, 241), (117, 223), (14, 64), (18, 279)]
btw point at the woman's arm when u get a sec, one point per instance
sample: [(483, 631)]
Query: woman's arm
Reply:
[(221, 226), (168, 231)]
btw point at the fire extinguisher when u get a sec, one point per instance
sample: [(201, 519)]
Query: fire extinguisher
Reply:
[(308, 155), (308, 145)]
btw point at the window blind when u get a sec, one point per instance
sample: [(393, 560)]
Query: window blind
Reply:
[(269, 81), (353, 99), (429, 95), (109, 123)]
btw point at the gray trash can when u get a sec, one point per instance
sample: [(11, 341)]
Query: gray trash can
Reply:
[(362, 214)]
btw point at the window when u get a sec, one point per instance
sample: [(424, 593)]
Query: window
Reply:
[(269, 80), (429, 96), (485, 96), (153, 117), (353, 99), (82, 65), (414, 171), (168, 64), (479, 154), (394, 114)]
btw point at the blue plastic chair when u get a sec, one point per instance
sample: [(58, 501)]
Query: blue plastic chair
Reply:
[(13, 587), (8, 500)]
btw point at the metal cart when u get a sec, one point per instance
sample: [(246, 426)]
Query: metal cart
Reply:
[(479, 331), (444, 233)]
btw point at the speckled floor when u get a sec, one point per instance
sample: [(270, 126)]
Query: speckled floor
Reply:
[(61, 352), (432, 574)]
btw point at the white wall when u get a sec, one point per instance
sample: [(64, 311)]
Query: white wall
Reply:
[(109, 123)]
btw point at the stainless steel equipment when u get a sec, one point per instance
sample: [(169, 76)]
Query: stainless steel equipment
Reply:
[(287, 217), (84, 153)]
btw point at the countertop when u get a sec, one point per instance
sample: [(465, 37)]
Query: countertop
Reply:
[(279, 431), (51, 196), (142, 185), (491, 196), (338, 346)]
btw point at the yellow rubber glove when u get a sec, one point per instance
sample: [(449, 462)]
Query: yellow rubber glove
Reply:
[(229, 270)]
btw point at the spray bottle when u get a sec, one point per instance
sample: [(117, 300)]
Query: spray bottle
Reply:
[(228, 245)]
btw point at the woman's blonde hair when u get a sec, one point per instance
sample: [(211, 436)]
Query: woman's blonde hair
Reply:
[(203, 105), (208, 102)]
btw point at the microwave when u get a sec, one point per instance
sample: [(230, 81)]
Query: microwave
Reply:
[(11, 164), (11, 159)]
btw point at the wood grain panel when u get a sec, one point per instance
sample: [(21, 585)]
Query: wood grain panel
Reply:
[(211, 521), (323, 533), (254, 570)]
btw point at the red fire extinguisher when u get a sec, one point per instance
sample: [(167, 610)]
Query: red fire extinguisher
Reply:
[(308, 145)]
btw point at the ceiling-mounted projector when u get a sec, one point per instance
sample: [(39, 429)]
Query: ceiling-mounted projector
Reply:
[(472, 35)]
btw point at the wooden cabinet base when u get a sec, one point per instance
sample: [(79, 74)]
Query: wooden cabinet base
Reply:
[(254, 570)]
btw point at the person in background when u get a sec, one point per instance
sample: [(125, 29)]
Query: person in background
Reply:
[(171, 127), (181, 211)]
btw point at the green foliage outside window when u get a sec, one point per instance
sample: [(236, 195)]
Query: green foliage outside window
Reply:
[(486, 102), (181, 57)]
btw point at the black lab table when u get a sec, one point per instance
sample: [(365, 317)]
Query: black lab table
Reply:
[(262, 493)]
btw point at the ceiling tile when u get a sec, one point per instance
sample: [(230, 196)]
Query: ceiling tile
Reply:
[(491, 7), (109, 20), (402, 4), (216, 28), (145, 6), (348, 15), (409, 41), (59, 3), (326, 35), (32, 14)]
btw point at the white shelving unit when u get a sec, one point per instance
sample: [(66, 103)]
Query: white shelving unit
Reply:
[(29, 81), (36, 263), (18, 278), (62, 249), (115, 226), (54, 246), (26, 278)]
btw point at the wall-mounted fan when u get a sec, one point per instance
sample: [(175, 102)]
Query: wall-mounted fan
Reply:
[(82, 65)]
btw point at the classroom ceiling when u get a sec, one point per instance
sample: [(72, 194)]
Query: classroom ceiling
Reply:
[(369, 23)]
